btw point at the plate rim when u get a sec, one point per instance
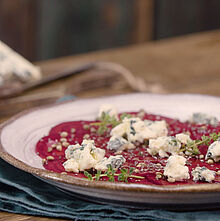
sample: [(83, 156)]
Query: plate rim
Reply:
[(117, 186)]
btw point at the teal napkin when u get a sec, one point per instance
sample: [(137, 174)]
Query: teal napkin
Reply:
[(23, 193), (20, 192)]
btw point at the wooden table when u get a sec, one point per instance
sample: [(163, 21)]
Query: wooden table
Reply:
[(189, 64)]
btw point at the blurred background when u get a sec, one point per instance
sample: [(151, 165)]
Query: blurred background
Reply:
[(45, 29)]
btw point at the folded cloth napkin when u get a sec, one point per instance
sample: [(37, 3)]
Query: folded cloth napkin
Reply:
[(20, 192)]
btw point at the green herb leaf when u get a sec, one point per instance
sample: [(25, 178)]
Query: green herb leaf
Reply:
[(111, 174), (124, 115), (131, 170), (87, 174), (97, 175), (124, 171), (105, 121), (120, 177), (192, 146)]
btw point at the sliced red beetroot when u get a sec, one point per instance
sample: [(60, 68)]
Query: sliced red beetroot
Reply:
[(77, 130)]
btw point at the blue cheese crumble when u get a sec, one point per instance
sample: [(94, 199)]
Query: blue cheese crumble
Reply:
[(135, 129), (15, 67), (202, 118), (203, 174), (86, 156), (114, 161), (163, 146), (119, 144), (82, 157), (183, 138), (214, 151), (175, 169)]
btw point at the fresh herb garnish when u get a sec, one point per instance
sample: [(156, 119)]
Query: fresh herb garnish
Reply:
[(125, 173), (106, 120), (97, 175), (111, 174), (192, 146), (125, 115), (88, 175)]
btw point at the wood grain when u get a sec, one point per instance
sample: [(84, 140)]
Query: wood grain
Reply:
[(188, 64), (144, 21)]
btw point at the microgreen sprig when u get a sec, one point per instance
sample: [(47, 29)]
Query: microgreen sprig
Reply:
[(125, 173), (125, 115), (111, 174), (106, 120), (192, 146)]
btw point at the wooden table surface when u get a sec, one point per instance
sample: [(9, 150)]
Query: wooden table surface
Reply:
[(189, 64)]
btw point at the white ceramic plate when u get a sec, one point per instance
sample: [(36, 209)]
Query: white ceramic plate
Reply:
[(18, 137)]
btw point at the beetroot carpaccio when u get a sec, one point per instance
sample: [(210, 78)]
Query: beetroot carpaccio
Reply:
[(145, 165)]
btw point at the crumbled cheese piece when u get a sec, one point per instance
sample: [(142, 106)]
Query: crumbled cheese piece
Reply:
[(183, 138), (70, 150), (156, 128), (119, 144), (164, 145), (119, 130), (82, 157), (14, 67), (175, 168), (202, 118), (134, 129), (214, 151), (108, 109), (203, 174), (71, 166), (114, 161)]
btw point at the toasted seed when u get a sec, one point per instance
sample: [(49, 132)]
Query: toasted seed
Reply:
[(188, 133), (158, 164), (218, 172), (53, 145), (118, 152), (136, 171), (65, 144), (49, 149), (50, 158), (158, 173), (210, 161), (171, 180), (159, 176), (73, 130), (44, 161), (86, 136), (141, 165), (86, 127), (201, 156), (64, 134), (63, 139), (93, 130), (64, 173), (59, 147)]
